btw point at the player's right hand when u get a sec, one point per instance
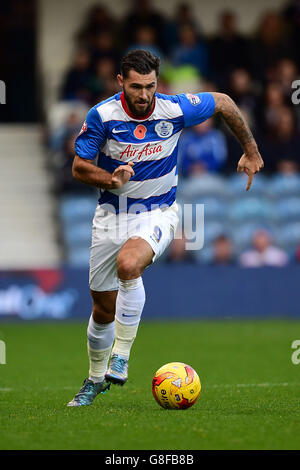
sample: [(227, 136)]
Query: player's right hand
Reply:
[(250, 163), (122, 174)]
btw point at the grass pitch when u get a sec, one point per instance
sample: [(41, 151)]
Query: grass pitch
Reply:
[(249, 399)]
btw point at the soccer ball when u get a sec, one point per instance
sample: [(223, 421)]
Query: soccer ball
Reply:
[(176, 386)]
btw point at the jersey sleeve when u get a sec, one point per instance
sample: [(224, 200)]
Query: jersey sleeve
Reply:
[(91, 137), (196, 108)]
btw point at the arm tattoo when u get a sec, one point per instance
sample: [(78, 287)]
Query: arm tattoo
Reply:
[(234, 119)]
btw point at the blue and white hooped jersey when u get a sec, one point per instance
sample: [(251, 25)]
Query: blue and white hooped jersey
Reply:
[(151, 143)]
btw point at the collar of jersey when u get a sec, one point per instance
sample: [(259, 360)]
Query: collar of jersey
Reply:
[(127, 111)]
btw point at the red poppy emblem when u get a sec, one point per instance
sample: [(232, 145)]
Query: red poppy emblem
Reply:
[(140, 131)]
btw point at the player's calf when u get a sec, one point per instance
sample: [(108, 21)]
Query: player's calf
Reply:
[(129, 307)]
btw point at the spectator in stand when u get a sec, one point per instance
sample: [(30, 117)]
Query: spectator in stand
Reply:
[(286, 73), (223, 254), (288, 167), (202, 148), (297, 254), (282, 140), (191, 51), (143, 14), (103, 83), (270, 107), (264, 253), (71, 126), (104, 45), (270, 45), (229, 49), (75, 82), (177, 252), (146, 39), (241, 90), (291, 14), (62, 163), (98, 19), (184, 16)]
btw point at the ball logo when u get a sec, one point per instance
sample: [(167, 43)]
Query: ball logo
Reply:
[(140, 131), (164, 129)]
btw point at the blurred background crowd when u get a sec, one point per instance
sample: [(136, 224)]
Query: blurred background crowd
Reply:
[(260, 227)]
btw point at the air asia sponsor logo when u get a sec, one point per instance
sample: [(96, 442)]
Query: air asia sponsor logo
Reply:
[(84, 128), (164, 129), (131, 151), (140, 131), (193, 99)]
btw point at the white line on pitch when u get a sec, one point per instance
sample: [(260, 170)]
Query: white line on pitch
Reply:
[(265, 384)]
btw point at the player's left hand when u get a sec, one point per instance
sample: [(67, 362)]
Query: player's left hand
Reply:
[(250, 163)]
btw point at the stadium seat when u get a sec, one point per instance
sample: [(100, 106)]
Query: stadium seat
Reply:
[(78, 234), (284, 185), (238, 182), (59, 112), (77, 208), (242, 234), (251, 208), (289, 235), (79, 257), (204, 185), (214, 208), (205, 255), (288, 209), (213, 230)]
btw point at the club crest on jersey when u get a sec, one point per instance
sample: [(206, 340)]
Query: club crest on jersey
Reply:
[(164, 129), (140, 131), (84, 128), (193, 99)]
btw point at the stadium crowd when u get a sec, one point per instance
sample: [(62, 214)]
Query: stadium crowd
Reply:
[(258, 228)]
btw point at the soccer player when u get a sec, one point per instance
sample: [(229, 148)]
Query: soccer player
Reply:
[(135, 134)]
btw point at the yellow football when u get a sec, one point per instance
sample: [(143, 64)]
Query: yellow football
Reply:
[(176, 386)]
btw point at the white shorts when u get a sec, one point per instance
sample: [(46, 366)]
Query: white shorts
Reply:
[(111, 231)]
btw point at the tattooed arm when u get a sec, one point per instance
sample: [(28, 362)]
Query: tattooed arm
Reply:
[(251, 161)]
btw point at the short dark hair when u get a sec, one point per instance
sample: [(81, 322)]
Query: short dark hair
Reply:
[(140, 60)]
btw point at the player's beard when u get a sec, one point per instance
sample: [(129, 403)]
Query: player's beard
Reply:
[(133, 109)]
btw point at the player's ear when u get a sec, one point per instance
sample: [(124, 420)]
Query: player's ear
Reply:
[(120, 80)]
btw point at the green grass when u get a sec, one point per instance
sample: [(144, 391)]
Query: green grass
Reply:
[(250, 397)]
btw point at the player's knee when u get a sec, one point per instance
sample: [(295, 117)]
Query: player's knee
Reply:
[(103, 314), (128, 267)]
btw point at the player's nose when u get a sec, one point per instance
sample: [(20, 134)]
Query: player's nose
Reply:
[(143, 95)]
